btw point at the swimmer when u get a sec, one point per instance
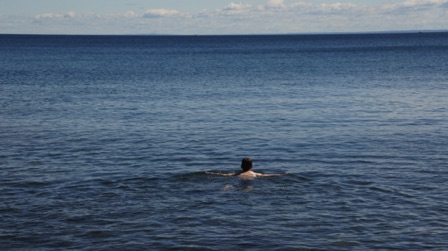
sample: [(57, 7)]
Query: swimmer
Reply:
[(247, 172)]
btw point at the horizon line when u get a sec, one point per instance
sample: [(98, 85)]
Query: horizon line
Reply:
[(235, 34)]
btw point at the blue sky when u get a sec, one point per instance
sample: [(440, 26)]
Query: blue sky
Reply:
[(219, 16)]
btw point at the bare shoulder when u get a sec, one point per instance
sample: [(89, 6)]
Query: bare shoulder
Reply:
[(249, 174)]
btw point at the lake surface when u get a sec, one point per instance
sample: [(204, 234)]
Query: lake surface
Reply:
[(104, 141)]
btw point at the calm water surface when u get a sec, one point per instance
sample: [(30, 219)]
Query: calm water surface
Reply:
[(104, 142)]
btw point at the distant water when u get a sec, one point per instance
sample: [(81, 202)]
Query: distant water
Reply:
[(104, 140)]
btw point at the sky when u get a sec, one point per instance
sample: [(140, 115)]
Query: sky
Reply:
[(198, 17)]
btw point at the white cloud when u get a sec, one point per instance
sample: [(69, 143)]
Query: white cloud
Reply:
[(235, 9), (424, 2), (338, 7), (129, 14), (70, 14), (275, 3), (281, 9), (415, 5), (237, 6), (156, 13), (49, 16)]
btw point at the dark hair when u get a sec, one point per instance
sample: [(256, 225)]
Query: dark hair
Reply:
[(246, 164)]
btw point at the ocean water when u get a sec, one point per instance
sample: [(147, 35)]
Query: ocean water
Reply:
[(104, 141)]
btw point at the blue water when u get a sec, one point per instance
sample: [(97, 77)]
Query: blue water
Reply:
[(104, 141)]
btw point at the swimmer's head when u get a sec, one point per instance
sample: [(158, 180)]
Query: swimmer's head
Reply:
[(246, 164)]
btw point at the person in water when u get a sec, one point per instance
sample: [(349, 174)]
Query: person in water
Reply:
[(246, 165)]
